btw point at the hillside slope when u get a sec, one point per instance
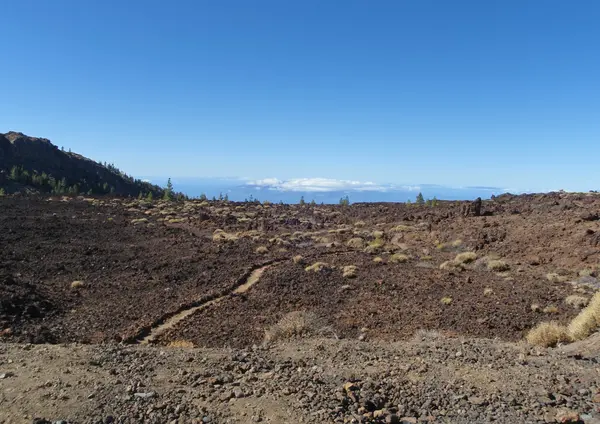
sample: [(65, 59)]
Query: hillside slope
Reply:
[(35, 164)]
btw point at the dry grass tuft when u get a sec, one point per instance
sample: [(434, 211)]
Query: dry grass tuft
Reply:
[(378, 234), (498, 265), (356, 243), (359, 224), (535, 307), (587, 321), (318, 267), (294, 324), (298, 259), (181, 343), (553, 277), (220, 235), (577, 301), (378, 260), (548, 334), (399, 258), (587, 273), (488, 292), (139, 221), (77, 284), (261, 250), (401, 228), (465, 257), (349, 271), (446, 300), (451, 265), (550, 309)]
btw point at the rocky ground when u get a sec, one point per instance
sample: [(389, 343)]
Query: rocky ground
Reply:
[(430, 378), (411, 313)]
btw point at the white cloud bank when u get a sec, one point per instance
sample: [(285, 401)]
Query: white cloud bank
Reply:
[(324, 185)]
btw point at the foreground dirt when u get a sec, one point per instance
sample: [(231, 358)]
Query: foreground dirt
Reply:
[(428, 379)]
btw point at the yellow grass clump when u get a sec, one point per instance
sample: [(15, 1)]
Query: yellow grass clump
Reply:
[(399, 258), (349, 271), (261, 250), (550, 309), (498, 265), (553, 277), (77, 284), (356, 243), (587, 321), (465, 257), (488, 292), (548, 334), (294, 324), (298, 259), (317, 267), (446, 300), (378, 260), (577, 301), (181, 344)]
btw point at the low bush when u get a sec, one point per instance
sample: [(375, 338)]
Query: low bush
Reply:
[(548, 334)]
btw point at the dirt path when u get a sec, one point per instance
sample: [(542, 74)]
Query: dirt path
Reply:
[(180, 316)]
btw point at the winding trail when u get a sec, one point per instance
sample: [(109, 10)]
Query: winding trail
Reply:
[(150, 334), (177, 318)]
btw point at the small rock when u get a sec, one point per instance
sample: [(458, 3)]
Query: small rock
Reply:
[(145, 395), (6, 375)]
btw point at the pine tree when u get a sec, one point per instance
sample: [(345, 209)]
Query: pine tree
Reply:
[(226, 198), (345, 201), (302, 202), (2, 192), (168, 191), (149, 197), (434, 202), (420, 200), (312, 202), (202, 197)]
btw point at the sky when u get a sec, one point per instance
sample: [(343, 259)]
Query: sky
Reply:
[(462, 93)]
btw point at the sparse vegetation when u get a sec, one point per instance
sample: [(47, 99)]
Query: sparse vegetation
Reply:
[(356, 243), (261, 250), (498, 265), (317, 267), (550, 309), (298, 259), (349, 271), (378, 260), (577, 301), (587, 321), (294, 324), (554, 277), (488, 292), (446, 300), (77, 284), (548, 334), (465, 257), (399, 258)]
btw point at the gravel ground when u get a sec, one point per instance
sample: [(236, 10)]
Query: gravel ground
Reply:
[(428, 379)]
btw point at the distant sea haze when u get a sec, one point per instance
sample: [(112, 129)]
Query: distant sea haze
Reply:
[(321, 190)]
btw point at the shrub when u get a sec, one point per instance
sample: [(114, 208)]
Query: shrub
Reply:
[(262, 250), (399, 258), (77, 284), (220, 235), (317, 267), (378, 260), (553, 277), (498, 265), (356, 243), (446, 300), (550, 309), (359, 224), (577, 301), (452, 265), (181, 344), (587, 273), (465, 257), (378, 234), (401, 228), (349, 271), (548, 334), (298, 259), (587, 321), (293, 324), (377, 243)]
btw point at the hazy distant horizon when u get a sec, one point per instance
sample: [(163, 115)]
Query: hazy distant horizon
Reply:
[(322, 190)]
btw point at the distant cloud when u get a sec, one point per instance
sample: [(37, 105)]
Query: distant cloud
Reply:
[(324, 185)]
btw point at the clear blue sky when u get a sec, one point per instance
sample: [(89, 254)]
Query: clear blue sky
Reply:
[(502, 93)]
